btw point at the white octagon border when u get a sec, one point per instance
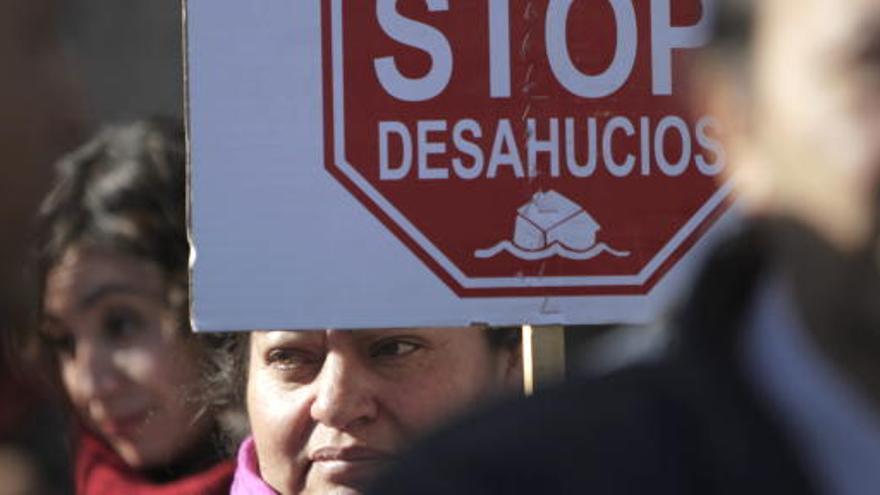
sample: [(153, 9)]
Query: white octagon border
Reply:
[(341, 162)]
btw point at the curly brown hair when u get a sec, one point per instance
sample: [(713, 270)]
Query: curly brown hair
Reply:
[(124, 191)]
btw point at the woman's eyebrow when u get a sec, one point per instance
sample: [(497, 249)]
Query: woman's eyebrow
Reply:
[(369, 336), (275, 337), (93, 296)]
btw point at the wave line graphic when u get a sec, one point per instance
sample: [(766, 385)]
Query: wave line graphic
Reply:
[(554, 249)]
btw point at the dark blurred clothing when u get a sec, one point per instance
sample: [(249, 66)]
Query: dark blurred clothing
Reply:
[(99, 471), (831, 422), (690, 422), (33, 433), (15, 399)]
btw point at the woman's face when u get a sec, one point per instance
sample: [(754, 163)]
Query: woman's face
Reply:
[(123, 362), (329, 408)]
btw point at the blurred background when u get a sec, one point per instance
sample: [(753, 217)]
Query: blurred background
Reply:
[(68, 67)]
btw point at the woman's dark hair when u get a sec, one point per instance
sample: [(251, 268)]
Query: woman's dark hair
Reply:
[(504, 338), (125, 190)]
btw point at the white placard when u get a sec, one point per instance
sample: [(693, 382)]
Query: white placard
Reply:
[(280, 243)]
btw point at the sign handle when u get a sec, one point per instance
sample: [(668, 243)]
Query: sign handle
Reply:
[(543, 353)]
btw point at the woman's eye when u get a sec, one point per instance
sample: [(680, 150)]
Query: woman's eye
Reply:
[(63, 344), (288, 359), (121, 323), (394, 348), (58, 339)]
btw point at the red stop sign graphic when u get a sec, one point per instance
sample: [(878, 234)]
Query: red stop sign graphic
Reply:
[(524, 148)]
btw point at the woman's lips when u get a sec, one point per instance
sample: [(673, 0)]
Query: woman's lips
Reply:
[(124, 425), (354, 453), (348, 465)]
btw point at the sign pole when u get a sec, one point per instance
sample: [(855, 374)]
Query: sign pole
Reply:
[(543, 354)]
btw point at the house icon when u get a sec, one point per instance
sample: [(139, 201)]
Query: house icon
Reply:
[(551, 218)]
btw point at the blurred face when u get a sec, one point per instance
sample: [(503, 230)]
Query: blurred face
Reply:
[(330, 408), (817, 113), (122, 361), (808, 155)]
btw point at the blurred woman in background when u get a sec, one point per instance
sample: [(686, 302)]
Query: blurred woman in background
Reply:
[(113, 265)]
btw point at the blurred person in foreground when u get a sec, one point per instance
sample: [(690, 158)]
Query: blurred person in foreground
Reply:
[(112, 266), (771, 383), (329, 409)]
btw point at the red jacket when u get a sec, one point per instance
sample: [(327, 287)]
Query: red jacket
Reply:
[(100, 471)]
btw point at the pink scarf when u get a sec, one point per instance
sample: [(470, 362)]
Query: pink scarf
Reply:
[(247, 479)]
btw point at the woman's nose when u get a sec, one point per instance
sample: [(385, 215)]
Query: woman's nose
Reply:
[(345, 394)]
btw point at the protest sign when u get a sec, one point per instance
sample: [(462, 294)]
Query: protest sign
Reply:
[(436, 163)]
